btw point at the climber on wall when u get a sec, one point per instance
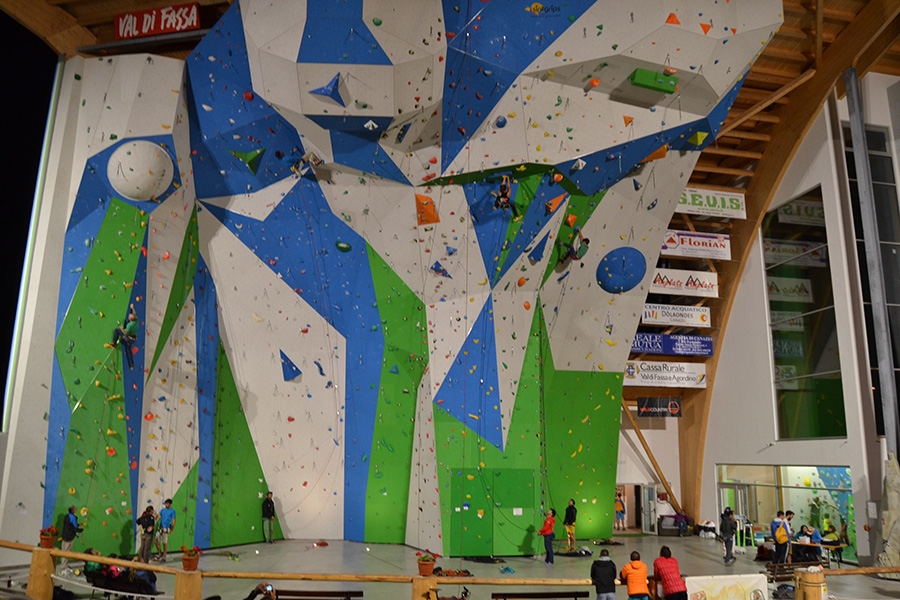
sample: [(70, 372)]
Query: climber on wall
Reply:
[(126, 334)]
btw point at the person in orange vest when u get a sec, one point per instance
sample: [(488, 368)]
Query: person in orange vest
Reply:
[(634, 575)]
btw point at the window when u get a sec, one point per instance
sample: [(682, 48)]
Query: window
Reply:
[(887, 211), (801, 317)]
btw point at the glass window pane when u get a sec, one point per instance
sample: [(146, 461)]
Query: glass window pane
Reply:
[(887, 212), (882, 168), (851, 165), (814, 410), (857, 217), (890, 262), (876, 140), (863, 271)]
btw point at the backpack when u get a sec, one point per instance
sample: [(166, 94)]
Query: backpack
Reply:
[(781, 536)]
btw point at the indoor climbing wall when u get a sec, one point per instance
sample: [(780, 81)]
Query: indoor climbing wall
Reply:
[(387, 260)]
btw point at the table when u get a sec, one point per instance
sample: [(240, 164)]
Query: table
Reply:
[(828, 548)]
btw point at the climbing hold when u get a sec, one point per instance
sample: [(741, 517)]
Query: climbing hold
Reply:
[(500, 122), (527, 305), (521, 281), (342, 246)]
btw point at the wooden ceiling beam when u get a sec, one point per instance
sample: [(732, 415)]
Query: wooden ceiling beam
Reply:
[(763, 104), (820, 18), (55, 26), (833, 14), (746, 135), (720, 151), (722, 170)]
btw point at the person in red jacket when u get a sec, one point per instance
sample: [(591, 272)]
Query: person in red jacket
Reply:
[(549, 536), (634, 575), (665, 570)]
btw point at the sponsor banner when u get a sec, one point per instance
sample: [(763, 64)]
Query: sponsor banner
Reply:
[(802, 212), (157, 21), (659, 406), (673, 314), (805, 254), (787, 348), (696, 245), (789, 289), (649, 373), (784, 372), (728, 587), (679, 282), (786, 320), (682, 345), (712, 203)]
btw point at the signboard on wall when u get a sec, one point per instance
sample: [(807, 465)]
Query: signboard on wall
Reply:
[(802, 212), (784, 373), (648, 373), (157, 21), (679, 282), (728, 587), (682, 345), (787, 348), (789, 289), (673, 314), (659, 406), (800, 253), (696, 245), (786, 320), (712, 203)]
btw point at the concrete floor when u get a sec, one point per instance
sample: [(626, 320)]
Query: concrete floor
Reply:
[(696, 556)]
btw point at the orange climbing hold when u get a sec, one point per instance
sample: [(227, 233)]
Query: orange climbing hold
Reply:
[(552, 205), (557, 177), (672, 19), (527, 305), (425, 210), (658, 153), (705, 27), (522, 281), (628, 120), (570, 220)]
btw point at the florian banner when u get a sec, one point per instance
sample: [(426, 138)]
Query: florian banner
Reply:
[(795, 252), (690, 244), (673, 314), (648, 373)]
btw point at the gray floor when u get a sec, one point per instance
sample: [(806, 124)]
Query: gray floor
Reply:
[(696, 556)]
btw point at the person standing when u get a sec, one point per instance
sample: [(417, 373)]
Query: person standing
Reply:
[(665, 570), (70, 529), (603, 576), (569, 523), (127, 335), (727, 529), (620, 511), (164, 526), (146, 522), (549, 536), (634, 576), (268, 515), (781, 535)]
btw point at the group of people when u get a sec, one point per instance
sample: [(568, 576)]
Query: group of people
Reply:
[(549, 536), (634, 576), (132, 579), (805, 545), (156, 527)]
